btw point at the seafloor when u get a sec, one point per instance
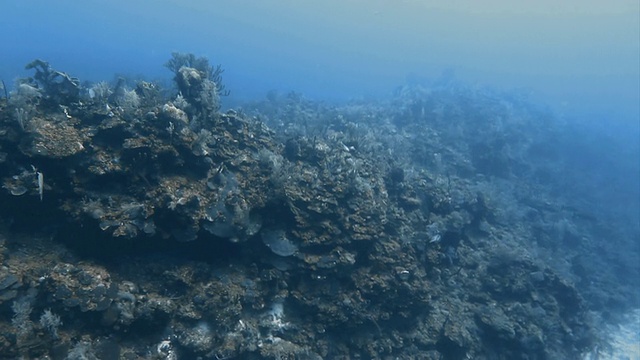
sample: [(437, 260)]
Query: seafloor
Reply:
[(138, 221)]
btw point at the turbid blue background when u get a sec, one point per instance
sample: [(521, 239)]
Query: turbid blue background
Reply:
[(580, 57)]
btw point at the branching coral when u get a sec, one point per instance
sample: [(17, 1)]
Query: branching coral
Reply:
[(59, 87)]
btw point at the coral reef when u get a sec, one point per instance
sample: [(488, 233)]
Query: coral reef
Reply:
[(170, 229)]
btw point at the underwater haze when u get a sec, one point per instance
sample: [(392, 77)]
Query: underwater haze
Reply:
[(581, 57), (297, 179)]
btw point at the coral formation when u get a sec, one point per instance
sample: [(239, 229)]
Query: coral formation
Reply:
[(304, 231)]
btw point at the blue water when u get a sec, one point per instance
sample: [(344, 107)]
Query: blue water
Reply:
[(582, 59), (579, 60)]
